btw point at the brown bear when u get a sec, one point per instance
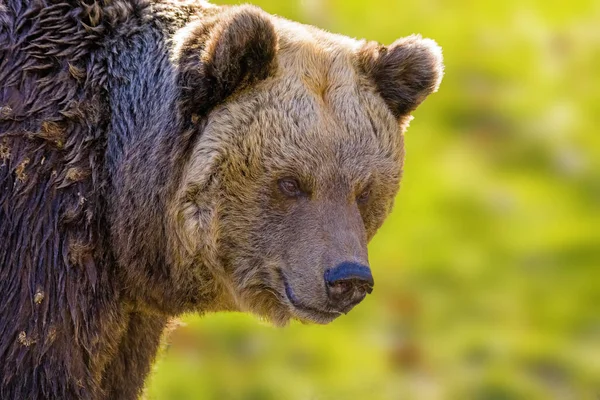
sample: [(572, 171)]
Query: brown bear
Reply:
[(161, 157)]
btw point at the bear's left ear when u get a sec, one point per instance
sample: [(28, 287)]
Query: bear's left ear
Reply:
[(223, 54), (405, 72)]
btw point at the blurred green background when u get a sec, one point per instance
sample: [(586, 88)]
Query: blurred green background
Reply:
[(488, 270)]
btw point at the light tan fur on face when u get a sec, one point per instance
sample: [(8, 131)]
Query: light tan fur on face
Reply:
[(319, 120)]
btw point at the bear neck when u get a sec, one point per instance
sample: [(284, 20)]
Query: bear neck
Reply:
[(148, 146)]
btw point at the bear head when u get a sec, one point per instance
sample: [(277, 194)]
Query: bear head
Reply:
[(298, 158)]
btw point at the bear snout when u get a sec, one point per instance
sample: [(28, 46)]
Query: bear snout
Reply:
[(344, 286), (348, 284)]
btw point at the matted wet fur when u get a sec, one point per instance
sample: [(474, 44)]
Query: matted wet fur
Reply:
[(166, 157)]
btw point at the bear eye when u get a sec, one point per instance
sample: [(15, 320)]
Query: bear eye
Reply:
[(290, 187), (364, 196)]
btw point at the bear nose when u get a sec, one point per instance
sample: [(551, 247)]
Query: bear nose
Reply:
[(347, 284)]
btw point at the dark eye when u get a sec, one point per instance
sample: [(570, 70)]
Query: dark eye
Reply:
[(290, 187), (364, 196)]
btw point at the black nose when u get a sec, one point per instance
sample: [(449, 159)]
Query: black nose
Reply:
[(347, 284)]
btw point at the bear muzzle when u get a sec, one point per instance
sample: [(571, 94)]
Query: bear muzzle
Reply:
[(347, 285)]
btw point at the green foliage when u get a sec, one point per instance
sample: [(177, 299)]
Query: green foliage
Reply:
[(488, 271)]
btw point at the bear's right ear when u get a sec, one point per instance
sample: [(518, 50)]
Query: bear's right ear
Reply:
[(223, 54), (404, 73)]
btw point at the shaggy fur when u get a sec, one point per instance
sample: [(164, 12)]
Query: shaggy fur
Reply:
[(141, 146)]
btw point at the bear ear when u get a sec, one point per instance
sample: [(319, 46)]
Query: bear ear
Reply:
[(223, 54), (405, 72)]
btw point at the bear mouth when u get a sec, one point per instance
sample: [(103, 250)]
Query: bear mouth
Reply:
[(306, 313)]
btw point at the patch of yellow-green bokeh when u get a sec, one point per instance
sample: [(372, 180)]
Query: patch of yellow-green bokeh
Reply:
[(488, 271)]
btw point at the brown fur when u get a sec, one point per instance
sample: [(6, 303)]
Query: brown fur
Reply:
[(323, 119), (142, 148)]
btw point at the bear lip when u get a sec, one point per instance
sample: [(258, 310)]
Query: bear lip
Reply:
[(306, 312)]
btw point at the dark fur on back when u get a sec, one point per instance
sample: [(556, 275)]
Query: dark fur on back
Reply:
[(77, 80)]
